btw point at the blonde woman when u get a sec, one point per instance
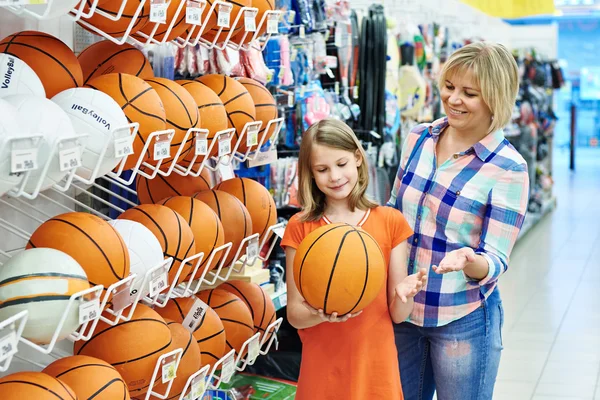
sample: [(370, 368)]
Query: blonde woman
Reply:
[(464, 190)]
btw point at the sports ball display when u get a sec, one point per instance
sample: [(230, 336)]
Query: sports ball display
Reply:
[(233, 215), (16, 77), (234, 314), (256, 198), (41, 282), (210, 333), (89, 378), (42, 116), (140, 103), (237, 6), (106, 57), (212, 113), (96, 114), (263, 6), (145, 251), (339, 268), (258, 301), (238, 104), (264, 104), (119, 28), (178, 27), (212, 21), (91, 241), (52, 60), (9, 126), (181, 113), (34, 385), (151, 191), (207, 228), (132, 347), (174, 234)]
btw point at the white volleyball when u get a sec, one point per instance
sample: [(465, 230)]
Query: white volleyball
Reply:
[(9, 127), (41, 281), (16, 77)]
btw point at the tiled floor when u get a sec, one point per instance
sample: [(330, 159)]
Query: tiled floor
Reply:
[(551, 295)]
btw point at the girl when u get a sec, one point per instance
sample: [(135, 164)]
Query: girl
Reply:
[(347, 356)]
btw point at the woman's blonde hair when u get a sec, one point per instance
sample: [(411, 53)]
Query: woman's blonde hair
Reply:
[(495, 71), (335, 134)]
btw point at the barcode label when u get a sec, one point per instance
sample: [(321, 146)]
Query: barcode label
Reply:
[(89, 311), (198, 387), (302, 32), (162, 150), (169, 369), (224, 16), (253, 349), (224, 145), (228, 369), (201, 146), (23, 160), (193, 13), (194, 316), (250, 21), (123, 147), (252, 136), (158, 11), (252, 250), (8, 345), (273, 25), (159, 281), (69, 159)]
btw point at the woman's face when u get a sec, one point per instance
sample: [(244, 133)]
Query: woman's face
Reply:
[(335, 171), (463, 103)]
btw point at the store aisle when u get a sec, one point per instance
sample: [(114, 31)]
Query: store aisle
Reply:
[(551, 295)]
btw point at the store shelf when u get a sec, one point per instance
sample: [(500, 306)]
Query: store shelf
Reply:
[(531, 219)]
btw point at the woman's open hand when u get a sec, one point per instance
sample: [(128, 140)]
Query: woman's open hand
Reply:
[(411, 285), (455, 261), (330, 317)]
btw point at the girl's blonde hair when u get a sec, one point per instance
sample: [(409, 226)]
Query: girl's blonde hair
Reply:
[(335, 134), (495, 71)]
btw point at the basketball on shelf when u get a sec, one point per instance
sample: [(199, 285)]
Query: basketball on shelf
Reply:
[(106, 57), (263, 6), (91, 241), (151, 191), (96, 114), (172, 17), (212, 21), (51, 59), (145, 251), (16, 77), (125, 23), (234, 314), (141, 104), (207, 228), (258, 301), (256, 198), (235, 9), (233, 215), (339, 268), (34, 385), (89, 378), (264, 104), (9, 127), (174, 234), (41, 281), (133, 347)]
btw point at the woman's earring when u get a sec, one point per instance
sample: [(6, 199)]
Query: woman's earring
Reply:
[(492, 117)]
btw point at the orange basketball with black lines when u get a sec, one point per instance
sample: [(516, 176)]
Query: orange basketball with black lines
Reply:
[(264, 104), (140, 103), (89, 377), (91, 241), (172, 231), (258, 301), (263, 6), (119, 28), (106, 57), (51, 59), (238, 104), (234, 314), (178, 28), (34, 385), (150, 191), (234, 216), (212, 21), (237, 6)]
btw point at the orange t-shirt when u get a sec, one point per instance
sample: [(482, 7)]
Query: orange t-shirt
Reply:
[(356, 359)]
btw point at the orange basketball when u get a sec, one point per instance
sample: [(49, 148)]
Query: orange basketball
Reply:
[(234, 314), (212, 21), (106, 57), (52, 60), (119, 28), (89, 377), (150, 191), (182, 114), (238, 104), (339, 268), (210, 333), (263, 6), (258, 301), (34, 385), (264, 103), (174, 234), (207, 228), (178, 28), (237, 6), (256, 198), (140, 103), (91, 241), (233, 215), (212, 113), (190, 361), (132, 347)]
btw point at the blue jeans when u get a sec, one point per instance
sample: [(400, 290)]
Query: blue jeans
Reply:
[(459, 360)]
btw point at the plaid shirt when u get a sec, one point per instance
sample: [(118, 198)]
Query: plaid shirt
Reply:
[(477, 198)]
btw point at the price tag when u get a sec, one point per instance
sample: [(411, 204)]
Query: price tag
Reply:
[(290, 99), (228, 369), (250, 21), (201, 146), (337, 88), (158, 11), (253, 349), (193, 13), (89, 311), (283, 300), (69, 158), (169, 369), (198, 387), (159, 281), (224, 17), (302, 32), (162, 150), (273, 25), (8, 345), (122, 299), (23, 160), (252, 136), (194, 316), (123, 147), (224, 145), (252, 249)]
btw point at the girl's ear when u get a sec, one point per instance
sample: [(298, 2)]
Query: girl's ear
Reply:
[(358, 158)]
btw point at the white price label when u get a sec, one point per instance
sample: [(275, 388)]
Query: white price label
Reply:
[(193, 13), (122, 299), (224, 145), (198, 387), (252, 136), (194, 316), (290, 99), (69, 159), (123, 147), (162, 150), (89, 311), (283, 300), (224, 16), (169, 369), (8, 345), (253, 349), (158, 11), (201, 146), (158, 282), (23, 160), (273, 25), (228, 369), (252, 250), (302, 32), (250, 21)]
